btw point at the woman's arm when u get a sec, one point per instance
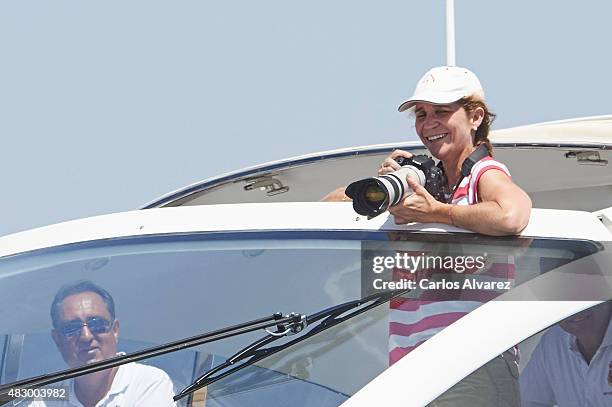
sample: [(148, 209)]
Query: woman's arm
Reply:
[(504, 208)]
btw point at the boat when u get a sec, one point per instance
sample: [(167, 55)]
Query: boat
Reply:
[(255, 242), (245, 289)]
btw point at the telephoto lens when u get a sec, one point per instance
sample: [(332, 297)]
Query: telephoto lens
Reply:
[(373, 196)]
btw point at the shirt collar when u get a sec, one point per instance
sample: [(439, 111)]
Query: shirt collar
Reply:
[(72, 397), (117, 386), (572, 342)]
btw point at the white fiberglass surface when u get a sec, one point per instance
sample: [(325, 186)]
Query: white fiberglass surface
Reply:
[(168, 287)]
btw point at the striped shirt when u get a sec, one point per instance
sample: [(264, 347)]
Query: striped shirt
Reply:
[(419, 316), (466, 192)]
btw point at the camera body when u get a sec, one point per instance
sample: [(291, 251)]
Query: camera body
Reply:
[(435, 179), (373, 196)]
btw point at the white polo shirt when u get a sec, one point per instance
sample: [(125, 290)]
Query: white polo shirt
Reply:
[(558, 374), (134, 385)]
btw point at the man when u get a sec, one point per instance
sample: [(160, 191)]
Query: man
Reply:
[(572, 364), (85, 331)]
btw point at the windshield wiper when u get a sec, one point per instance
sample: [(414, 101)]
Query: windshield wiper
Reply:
[(255, 352), (285, 325), (39, 381)]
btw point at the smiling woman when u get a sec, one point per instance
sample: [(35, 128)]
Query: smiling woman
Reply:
[(453, 121)]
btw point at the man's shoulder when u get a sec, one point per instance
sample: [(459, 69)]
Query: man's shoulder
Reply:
[(554, 342), (554, 336)]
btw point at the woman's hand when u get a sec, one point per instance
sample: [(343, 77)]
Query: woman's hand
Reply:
[(390, 165), (419, 207)]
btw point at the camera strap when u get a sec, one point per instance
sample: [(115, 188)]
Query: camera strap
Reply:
[(477, 155)]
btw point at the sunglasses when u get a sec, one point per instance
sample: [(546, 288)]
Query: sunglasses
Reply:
[(96, 325)]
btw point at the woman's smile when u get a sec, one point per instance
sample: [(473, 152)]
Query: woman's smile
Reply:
[(436, 137)]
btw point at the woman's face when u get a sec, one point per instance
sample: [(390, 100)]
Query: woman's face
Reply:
[(446, 130)]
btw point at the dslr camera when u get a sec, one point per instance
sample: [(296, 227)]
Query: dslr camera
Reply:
[(373, 196)]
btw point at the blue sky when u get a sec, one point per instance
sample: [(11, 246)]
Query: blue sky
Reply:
[(105, 106)]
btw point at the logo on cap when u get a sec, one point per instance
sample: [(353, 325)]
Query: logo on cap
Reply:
[(429, 79)]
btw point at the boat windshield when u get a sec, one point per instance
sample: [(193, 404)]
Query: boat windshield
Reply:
[(173, 286)]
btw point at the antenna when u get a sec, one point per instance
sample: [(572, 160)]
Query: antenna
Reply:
[(450, 32)]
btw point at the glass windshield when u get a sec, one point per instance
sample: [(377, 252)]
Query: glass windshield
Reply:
[(164, 288), (569, 364)]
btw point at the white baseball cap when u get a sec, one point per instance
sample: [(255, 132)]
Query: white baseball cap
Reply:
[(443, 85)]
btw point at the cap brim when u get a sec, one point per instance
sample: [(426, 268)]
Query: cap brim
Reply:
[(435, 99)]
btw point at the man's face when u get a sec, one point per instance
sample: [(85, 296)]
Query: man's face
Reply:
[(87, 344), (587, 322)]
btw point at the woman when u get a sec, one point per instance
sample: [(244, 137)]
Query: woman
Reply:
[(452, 120)]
